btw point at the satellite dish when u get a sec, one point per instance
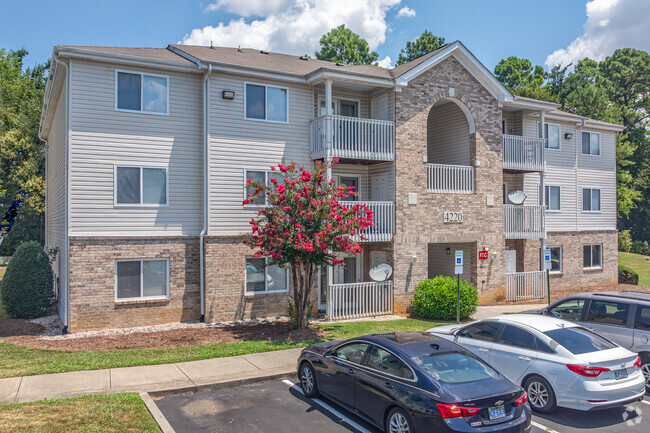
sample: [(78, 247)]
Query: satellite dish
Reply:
[(381, 272), (517, 197)]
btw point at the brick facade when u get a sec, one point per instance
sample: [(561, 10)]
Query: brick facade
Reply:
[(92, 282)]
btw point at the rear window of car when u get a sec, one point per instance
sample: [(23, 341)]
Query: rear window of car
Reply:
[(579, 340), (455, 367)]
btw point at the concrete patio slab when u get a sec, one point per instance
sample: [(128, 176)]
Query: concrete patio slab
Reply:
[(64, 385), (9, 389), (149, 378), (209, 371)]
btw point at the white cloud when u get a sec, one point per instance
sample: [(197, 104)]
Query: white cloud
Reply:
[(293, 26), (406, 12), (386, 62), (610, 24)]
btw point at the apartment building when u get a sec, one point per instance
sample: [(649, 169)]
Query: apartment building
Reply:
[(149, 151)]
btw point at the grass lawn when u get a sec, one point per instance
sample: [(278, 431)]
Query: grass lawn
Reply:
[(22, 361), (637, 263), (93, 413)]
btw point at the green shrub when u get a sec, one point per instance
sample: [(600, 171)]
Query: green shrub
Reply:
[(627, 275), (27, 286), (624, 241), (436, 299), (640, 247)]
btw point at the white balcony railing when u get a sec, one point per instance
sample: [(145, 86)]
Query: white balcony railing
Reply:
[(523, 222), (384, 220), (525, 285), (353, 138), (450, 179), (523, 153), (354, 300)]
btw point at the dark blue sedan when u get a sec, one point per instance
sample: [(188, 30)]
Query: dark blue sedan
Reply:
[(407, 382)]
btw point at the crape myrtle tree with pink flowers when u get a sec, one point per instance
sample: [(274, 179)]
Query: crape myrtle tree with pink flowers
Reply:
[(304, 226)]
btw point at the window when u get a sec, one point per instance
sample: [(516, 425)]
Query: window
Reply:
[(552, 135), (456, 367), (590, 200), (485, 331), (553, 201), (513, 336), (352, 352), (258, 176), (147, 93), (592, 256), (556, 259), (568, 310), (350, 181), (141, 279), (642, 320), (608, 313), (266, 103), (590, 143), (140, 185), (385, 362), (262, 278), (578, 340)]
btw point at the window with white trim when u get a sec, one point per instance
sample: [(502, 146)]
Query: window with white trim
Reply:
[(140, 185), (265, 102), (592, 256), (262, 177), (145, 278), (590, 143), (553, 198), (552, 135), (146, 93), (262, 278), (556, 260), (591, 200)]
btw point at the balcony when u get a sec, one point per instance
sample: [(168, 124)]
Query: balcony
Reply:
[(384, 221), (521, 286), (353, 138), (523, 153), (450, 179), (523, 222), (355, 300)]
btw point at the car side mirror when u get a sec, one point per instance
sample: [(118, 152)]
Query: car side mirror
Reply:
[(328, 353)]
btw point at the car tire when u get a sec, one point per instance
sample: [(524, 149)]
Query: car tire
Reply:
[(645, 369), (398, 421), (307, 378), (540, 394)]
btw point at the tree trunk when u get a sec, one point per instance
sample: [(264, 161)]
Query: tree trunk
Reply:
[(302, 279)]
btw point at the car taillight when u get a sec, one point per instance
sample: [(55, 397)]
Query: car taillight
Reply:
[(521, 400), (637, 363), (584, 370), (453, 411)]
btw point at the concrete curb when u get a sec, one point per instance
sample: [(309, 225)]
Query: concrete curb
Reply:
[(157, 415)]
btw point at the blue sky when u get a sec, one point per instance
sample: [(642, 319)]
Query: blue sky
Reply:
[(491, 29)]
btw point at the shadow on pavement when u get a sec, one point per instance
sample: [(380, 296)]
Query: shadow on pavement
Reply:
[(596, 419)]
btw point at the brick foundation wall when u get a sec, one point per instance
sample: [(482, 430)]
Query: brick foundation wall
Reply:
[(92, 282)]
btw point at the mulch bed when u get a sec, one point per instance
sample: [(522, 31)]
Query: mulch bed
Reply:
[(13, 327), (172, 338), (557, 294)]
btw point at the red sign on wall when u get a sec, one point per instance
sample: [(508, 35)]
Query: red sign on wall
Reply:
[(482, 255)]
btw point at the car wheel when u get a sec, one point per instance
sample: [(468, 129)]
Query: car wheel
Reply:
[(540, 394), (398, 421), (645, 369), (308, 380)]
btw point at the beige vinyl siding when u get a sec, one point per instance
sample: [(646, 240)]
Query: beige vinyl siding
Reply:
[(237, 144), (102, 137), (390, 93), (448, 135), (598, 172), (55, 203)]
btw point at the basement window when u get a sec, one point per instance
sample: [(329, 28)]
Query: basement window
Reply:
[(141, 279)]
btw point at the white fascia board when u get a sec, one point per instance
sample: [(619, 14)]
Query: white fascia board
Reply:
[(533, 105), (254, 72), (77, 53), (584, 122), (356, 78)]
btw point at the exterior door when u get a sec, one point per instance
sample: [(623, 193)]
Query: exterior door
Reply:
[(379, 187), (511, 261), (379, 107), (350, 181)]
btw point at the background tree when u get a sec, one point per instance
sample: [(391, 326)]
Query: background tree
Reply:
[(22, 154), (426, 43), (523, 79), (304, 227), (342, 45)]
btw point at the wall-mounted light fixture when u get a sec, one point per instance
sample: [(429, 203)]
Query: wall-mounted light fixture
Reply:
[(414, 259), (448, 251), (228, 94), (568, 135)]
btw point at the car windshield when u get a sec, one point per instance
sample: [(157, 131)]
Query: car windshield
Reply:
[(455, 367), (579, 340)]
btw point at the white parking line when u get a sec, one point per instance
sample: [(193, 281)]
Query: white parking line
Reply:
[(330, 409), (645, 402), (543, 427)]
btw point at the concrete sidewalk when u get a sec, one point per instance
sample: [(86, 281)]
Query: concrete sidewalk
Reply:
[(483, 312), (155, 379)]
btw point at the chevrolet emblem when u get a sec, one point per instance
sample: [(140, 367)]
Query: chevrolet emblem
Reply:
[(499, 403)]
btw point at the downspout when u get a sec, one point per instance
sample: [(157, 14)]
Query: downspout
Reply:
[(206, 153), (543, 186)]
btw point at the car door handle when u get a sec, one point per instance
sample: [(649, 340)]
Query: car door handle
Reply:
[(351, 371), (483, 350), (388, 385), (524, 358)]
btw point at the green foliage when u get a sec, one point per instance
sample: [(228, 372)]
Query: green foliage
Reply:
[(294, 317), (625, 241), (426, 43), (342, 45), (436, 298), (640, 247), (524, 79), (627, 275), (27, 286)]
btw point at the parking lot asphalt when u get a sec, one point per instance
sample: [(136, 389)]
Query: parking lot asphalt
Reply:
[(280, 406)]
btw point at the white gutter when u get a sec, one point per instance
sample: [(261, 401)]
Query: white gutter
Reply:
[(206, 157)]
